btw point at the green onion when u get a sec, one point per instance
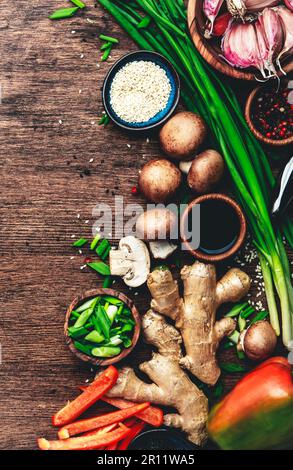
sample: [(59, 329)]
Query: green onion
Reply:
[(104, 120), (106, 351), (74, 332), (85, 305), (113, 300), (126, 341), (101, 268), (106, 54), (144, 23), (260, 316), (85, 315), (106, 46), (236, 310), (81, 347), (107, 282), (108, 39), (230, 367), (102, 247), (78, 3), (103, 321), (63, 13), (234, 337), (79, 243), (94, 337), (95, 241), (241, 323)]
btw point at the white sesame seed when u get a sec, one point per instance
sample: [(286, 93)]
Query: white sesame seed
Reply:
[(91, 160), (73, 32), (81, 56), (72, 236), (60, 121), (86, 221)]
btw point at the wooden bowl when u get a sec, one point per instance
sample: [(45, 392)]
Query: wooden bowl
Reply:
[(242, 233), (258, 135), (94, 293), (211, 51)]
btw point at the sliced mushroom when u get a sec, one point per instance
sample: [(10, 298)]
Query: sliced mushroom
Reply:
[(162, 249), (131, 261)]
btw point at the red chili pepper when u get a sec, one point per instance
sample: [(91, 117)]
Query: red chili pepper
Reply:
[(135, 430), (221, 24), (258, 412)]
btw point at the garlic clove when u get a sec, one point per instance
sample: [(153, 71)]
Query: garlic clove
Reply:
[(211, 9), (270, 24), (286, 17)]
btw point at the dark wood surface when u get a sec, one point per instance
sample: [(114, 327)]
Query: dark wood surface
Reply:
[(49, 133)]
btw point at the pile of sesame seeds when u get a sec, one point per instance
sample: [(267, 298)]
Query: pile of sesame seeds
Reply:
[(139, 91)]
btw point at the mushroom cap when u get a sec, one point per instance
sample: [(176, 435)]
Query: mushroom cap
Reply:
[(259, 341), (181, 136), (205, 171), (157, 224), (159, 180)]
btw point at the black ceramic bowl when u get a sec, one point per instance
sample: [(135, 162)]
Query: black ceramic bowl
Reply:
[(161, 439), (160, 117)]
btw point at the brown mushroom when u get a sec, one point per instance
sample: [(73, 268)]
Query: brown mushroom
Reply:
[(205, 171), (157, 224), (159, 180), (182, 135), (258, 341)]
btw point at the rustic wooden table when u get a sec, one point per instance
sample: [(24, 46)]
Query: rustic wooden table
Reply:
[(56, 165)]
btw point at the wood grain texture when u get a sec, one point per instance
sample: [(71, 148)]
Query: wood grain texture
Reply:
[(46, 181)]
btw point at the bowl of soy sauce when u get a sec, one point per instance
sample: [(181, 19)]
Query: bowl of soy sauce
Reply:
[(222, 227)]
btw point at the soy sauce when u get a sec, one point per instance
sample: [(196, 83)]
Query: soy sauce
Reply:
[(219, 226)]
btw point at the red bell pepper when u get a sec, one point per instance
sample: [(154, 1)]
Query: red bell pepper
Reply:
[(135, 430), (93, 392), (152, 415), (258, 412), (79, 427), (86, 442)]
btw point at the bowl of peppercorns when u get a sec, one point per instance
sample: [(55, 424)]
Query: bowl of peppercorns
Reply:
[(269, 113)]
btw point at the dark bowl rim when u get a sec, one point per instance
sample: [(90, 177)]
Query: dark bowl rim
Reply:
[(166, 117), (177, 435), (92, 293)]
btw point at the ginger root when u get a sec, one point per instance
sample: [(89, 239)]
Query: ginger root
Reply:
[(195, 317), (195, 313), (171, 385)]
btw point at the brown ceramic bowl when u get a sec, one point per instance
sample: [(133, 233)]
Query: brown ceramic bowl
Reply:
[(86, 296), (258, 135), (242, 222)]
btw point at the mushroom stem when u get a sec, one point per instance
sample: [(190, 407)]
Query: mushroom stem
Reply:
[(185, 167)]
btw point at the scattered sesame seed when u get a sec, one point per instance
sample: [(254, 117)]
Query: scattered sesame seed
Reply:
[(128, 145), (72, 236), (60, 121), (73, 32), (86, 221), (71, 257), (83, 266), (81, 56), (80, 252), (78, 216), (91, 160), (79, 91)]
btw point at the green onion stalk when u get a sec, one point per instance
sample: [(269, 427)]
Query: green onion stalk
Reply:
[(166, 32)]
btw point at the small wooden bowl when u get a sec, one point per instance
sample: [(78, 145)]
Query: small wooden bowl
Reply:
[(258, 135), (242, 233), (94, 293), (211, 51)]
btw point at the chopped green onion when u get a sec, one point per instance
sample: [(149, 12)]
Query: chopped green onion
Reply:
[(241, 323), (230, 367), (103, 321), (95, 241), (80, 242), (74, 332), (63, 13), (85, 315), (104, 120), (106, 351), (113, 300), (85, 305), (81, 347), (106, 54), (126, 341), (108, 39), (237, 309), (111, 312), (106, 253), (94, 337), (101, 268), (234, 337), (78, 3), (260, 316), (102, 247), (107, 282), (106, 46), (127, 327)]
